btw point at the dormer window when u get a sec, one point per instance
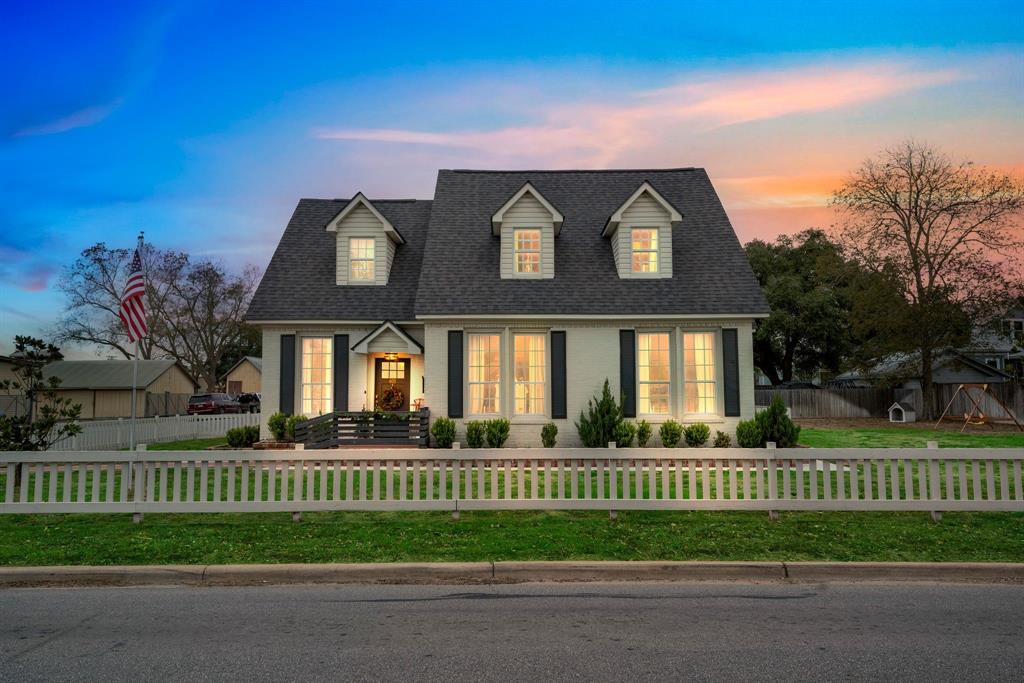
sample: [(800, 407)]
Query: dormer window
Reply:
[(644, 243), (363, 236), (361, 259), (527, 250), (640, 232), (527, 224)]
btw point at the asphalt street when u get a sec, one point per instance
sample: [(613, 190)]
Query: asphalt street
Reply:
[(622, 631)]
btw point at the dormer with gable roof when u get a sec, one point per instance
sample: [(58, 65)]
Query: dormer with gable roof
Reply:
[(527, 224), (365, 243), (641, 235)]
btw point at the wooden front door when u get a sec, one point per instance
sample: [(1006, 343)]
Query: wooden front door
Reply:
[(388, 372)]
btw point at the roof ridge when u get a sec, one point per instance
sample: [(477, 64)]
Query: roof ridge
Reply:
[(572, 170), (375, 201)]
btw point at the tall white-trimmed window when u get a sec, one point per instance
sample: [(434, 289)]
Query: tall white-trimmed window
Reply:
[(699, 373), (529, 362), (644, 247), (484, 374), (526, 243), (654, 365), (317, 374), (361, 258)]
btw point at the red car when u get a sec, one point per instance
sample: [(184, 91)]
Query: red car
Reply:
[(212, 404)]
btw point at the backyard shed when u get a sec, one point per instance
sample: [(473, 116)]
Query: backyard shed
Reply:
[(104, 387), (245, 376), (902, 412)]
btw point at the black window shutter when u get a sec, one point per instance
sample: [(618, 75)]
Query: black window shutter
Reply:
[(731, 379), (341, 372), (287, 386), (627, 371), (454, 373), (558, 408)]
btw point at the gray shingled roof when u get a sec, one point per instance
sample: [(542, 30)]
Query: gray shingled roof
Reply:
[(456, 270), (105, 374), (461, 274), (300, 282)]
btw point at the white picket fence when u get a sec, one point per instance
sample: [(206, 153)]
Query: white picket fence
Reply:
[(514, 479), (114, 434)]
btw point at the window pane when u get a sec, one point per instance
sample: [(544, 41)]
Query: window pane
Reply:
[(526, 244), (529, 365), (645, 262), (699, 372), (484, 373), (654, 371), (316, 391)]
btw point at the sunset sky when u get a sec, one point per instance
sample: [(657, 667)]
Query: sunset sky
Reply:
[(203, 123)]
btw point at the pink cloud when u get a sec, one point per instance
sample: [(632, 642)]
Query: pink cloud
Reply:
[(597, 134)]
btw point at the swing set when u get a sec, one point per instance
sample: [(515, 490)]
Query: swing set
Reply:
[(975, 393)]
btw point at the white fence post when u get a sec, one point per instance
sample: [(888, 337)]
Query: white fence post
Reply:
[(773, 484), (934, 488)]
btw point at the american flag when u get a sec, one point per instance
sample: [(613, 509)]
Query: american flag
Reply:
[(133, 307)]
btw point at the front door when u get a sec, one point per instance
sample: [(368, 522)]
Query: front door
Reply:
[(391, 384)]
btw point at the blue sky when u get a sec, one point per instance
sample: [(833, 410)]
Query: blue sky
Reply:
[(203, 123)]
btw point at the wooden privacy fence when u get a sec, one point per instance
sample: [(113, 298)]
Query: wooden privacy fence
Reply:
[(112, 434), (850, 402), (166, 403), (365, 429), (514, 479)]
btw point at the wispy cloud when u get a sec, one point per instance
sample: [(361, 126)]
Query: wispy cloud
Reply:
[(89, 116), (598, 133)]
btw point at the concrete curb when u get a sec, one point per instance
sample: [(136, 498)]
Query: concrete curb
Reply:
[(456, 573)]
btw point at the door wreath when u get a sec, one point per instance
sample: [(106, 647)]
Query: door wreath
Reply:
[(391, 398)]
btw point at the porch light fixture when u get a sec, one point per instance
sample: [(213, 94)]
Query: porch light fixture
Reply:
[(391, 356)]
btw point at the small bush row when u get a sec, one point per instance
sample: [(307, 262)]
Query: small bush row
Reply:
[(478, 432), (603, 423)]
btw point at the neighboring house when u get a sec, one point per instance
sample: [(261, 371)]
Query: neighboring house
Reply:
[(7, 368), (515, 294), (104, 387), (1001, 345), (244, 377), (903, 371), (11, 402)]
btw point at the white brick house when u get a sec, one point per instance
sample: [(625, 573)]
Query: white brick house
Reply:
[(515, 294)]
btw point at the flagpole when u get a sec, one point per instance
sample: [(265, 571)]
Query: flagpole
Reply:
[(135, 380)]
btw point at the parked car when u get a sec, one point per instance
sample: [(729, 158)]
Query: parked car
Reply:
[(250, 402), (208, 404)]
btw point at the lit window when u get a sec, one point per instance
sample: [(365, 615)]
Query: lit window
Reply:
[(529, 374), (699, 372), (484, 374), (527, 250), (361, 252), (644, 243), (317, 372), (654, 370)]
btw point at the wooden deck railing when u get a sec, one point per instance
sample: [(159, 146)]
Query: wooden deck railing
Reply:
[(931, 480), (364, 429)]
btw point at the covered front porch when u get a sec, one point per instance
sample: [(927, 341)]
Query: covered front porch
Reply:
[(378, 393)]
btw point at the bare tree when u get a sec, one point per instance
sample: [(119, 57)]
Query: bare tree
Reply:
[(195, 309), (198, 314), (943, 232)]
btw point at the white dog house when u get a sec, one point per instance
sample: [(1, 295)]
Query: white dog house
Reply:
[(902, 412)]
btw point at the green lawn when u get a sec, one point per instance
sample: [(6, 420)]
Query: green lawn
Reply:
[(907, 437), (432, 536)]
